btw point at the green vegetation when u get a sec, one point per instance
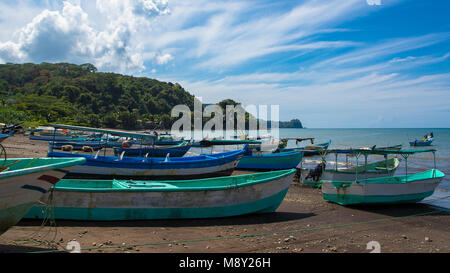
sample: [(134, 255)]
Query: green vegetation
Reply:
[(79, 95), (38, 94)]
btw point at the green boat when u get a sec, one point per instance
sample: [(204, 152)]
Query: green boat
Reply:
[(408, 188), (108, 200)]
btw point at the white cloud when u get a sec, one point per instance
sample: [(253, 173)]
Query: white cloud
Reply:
[(68, 35), (164, 58)]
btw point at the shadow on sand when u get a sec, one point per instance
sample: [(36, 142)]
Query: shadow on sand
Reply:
[(249, 219), (20, 249), (402, 210)]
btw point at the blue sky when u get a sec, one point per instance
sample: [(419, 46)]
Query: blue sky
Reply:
[(332, 64)]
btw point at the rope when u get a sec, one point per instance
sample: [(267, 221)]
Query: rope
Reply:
[(251, 235), (48, 218)]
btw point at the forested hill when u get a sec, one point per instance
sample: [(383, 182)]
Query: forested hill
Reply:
[(44, 93), (78, 94)]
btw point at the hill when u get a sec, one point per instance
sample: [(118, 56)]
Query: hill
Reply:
[(80, 95)]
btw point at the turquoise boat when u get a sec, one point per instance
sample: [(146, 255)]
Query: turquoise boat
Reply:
[(112, 200), (277, 161), (23, 181), (408, 188)]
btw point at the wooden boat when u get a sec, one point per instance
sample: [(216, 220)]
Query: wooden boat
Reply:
[(156, 151), (408, 188), (381, 168), (193, 167), (421, 142), (310, 150), (24, 181), (78, 145), (111, 200), (276, 161), (212, 142), (5, 136), (394, 147)]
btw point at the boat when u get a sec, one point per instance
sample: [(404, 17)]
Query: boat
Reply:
[(156, 151), (192, 167), (108, 167), (381, 168), (78, 145), (309, 150), (23, 181), (252, 160), (426, 141), (113, 200), (421, 142), (212, 142), (393, 147), (408, 188), (5, 136)]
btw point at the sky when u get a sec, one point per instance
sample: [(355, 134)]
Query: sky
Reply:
[(331, 64)]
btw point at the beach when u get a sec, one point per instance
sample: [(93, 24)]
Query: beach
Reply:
[(304, 223)]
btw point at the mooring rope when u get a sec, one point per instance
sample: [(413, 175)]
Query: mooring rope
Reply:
[(48, 219), (249, 235)]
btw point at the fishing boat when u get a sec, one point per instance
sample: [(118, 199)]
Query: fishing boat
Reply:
[(421, 142), (78, 145), (212, 142), (393, 147), (252, 160), (156, 151), (23, 181), (408, 188), (308, 150), (192, 167), (112, 200), (5, 136), (380, 168)]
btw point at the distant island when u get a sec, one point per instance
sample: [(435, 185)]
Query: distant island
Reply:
[(38, 94)]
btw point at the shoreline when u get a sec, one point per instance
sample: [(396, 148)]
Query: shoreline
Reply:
[(304, 223)]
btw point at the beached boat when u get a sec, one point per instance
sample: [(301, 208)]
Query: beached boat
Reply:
[(310, 150), (212, 142), (393, 147), (193, 167), (408, 188), (156, 151), (78, 145), (5, 136), (276, 161), (110, 200), (23, 181), (381, 168)]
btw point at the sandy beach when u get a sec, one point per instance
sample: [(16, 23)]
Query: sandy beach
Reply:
[(304, 223)]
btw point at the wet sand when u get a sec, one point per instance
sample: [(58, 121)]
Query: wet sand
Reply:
[(304, 223)]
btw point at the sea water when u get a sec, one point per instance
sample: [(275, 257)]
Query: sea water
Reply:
[(358, 138)]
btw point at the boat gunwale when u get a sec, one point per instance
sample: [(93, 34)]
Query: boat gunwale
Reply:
[(66, 162), (280, 175)]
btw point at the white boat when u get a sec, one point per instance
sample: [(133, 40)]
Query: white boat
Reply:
[(23, 181)]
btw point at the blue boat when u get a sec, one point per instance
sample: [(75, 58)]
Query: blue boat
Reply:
[(5, 136), (421, 142), (156, 151), (193, 167)]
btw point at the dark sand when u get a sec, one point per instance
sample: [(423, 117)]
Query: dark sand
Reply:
[(304, 223)]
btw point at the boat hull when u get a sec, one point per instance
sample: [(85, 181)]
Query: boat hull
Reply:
[(276, 161), (153, 168), (397, 190), (177, 204), (421, 143)]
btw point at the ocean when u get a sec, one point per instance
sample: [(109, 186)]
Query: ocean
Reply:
[(357, 138)]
